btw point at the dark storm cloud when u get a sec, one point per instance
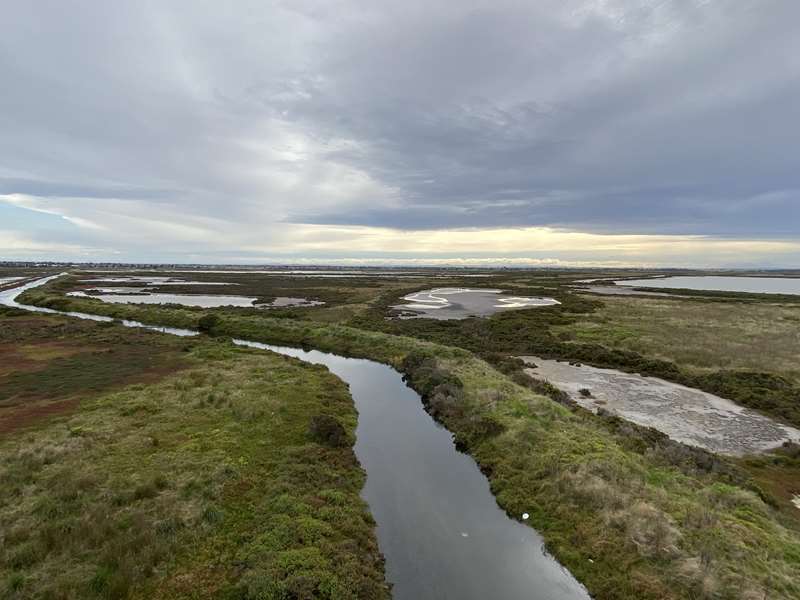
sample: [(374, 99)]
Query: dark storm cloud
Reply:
[(680, 123), (624, 116)]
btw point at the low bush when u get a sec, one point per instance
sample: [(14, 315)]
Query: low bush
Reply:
[(327, 430)]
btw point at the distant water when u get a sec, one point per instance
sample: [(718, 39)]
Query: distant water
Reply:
[(753, 285), (153, 281), (9, 298), (184, 299)]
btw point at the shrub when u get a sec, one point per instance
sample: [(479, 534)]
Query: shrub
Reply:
[(328, 431), (208, 323)]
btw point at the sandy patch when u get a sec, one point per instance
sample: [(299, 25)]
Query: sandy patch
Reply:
[(685, 414)]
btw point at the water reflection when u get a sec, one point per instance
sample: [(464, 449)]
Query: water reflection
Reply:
[(183, 299), (460, 303), (9, 298), (439, 526), (753, 285)]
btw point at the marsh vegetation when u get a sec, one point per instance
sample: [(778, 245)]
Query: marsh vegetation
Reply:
[(630, 512), (200, 480)]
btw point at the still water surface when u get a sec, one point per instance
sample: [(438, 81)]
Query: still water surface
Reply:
[(183, 299), (753, 285), (438, 525), (460, 303), (9, 298)]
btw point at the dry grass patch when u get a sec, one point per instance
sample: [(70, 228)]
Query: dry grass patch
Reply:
[(700, 335)]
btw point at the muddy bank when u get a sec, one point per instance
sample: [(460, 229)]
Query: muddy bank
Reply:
[(685, 414)]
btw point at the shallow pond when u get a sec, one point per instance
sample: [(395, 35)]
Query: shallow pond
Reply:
[(460, 303), (685, 414), (753, 285), (184, 299), (289, 302), (342, 273), (133, 295), (621, 290), (152, 281), (322, 273), (438, 525)]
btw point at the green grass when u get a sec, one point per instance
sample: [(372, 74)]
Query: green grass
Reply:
[(701, 336), (625, 515), (205, 483)]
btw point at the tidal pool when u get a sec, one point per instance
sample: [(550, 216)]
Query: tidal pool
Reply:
[(289, 302), (152, 281), (342, 273), (110, 290), (460, 303), (753, 285), (685, 414), (621, 290), (184, 299), (132, 295)]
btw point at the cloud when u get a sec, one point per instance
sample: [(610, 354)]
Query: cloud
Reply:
[(20, 247), (204, 129), (201, 239)]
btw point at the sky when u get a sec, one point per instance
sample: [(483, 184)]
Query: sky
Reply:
[(545, 132)]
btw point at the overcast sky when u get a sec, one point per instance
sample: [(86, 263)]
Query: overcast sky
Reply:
[(625, 132)]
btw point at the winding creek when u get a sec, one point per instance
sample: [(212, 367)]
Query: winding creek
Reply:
[(438, 524)]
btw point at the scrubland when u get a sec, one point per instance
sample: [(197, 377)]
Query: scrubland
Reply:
[(160, 467), (630, 513), (700, 335)]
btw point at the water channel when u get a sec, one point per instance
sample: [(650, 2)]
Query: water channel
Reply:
[(438, 525)]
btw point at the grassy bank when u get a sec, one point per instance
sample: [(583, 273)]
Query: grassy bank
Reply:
[(630, 518), (203, 480)]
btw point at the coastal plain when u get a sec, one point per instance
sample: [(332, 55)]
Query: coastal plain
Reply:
[(628, 510)]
